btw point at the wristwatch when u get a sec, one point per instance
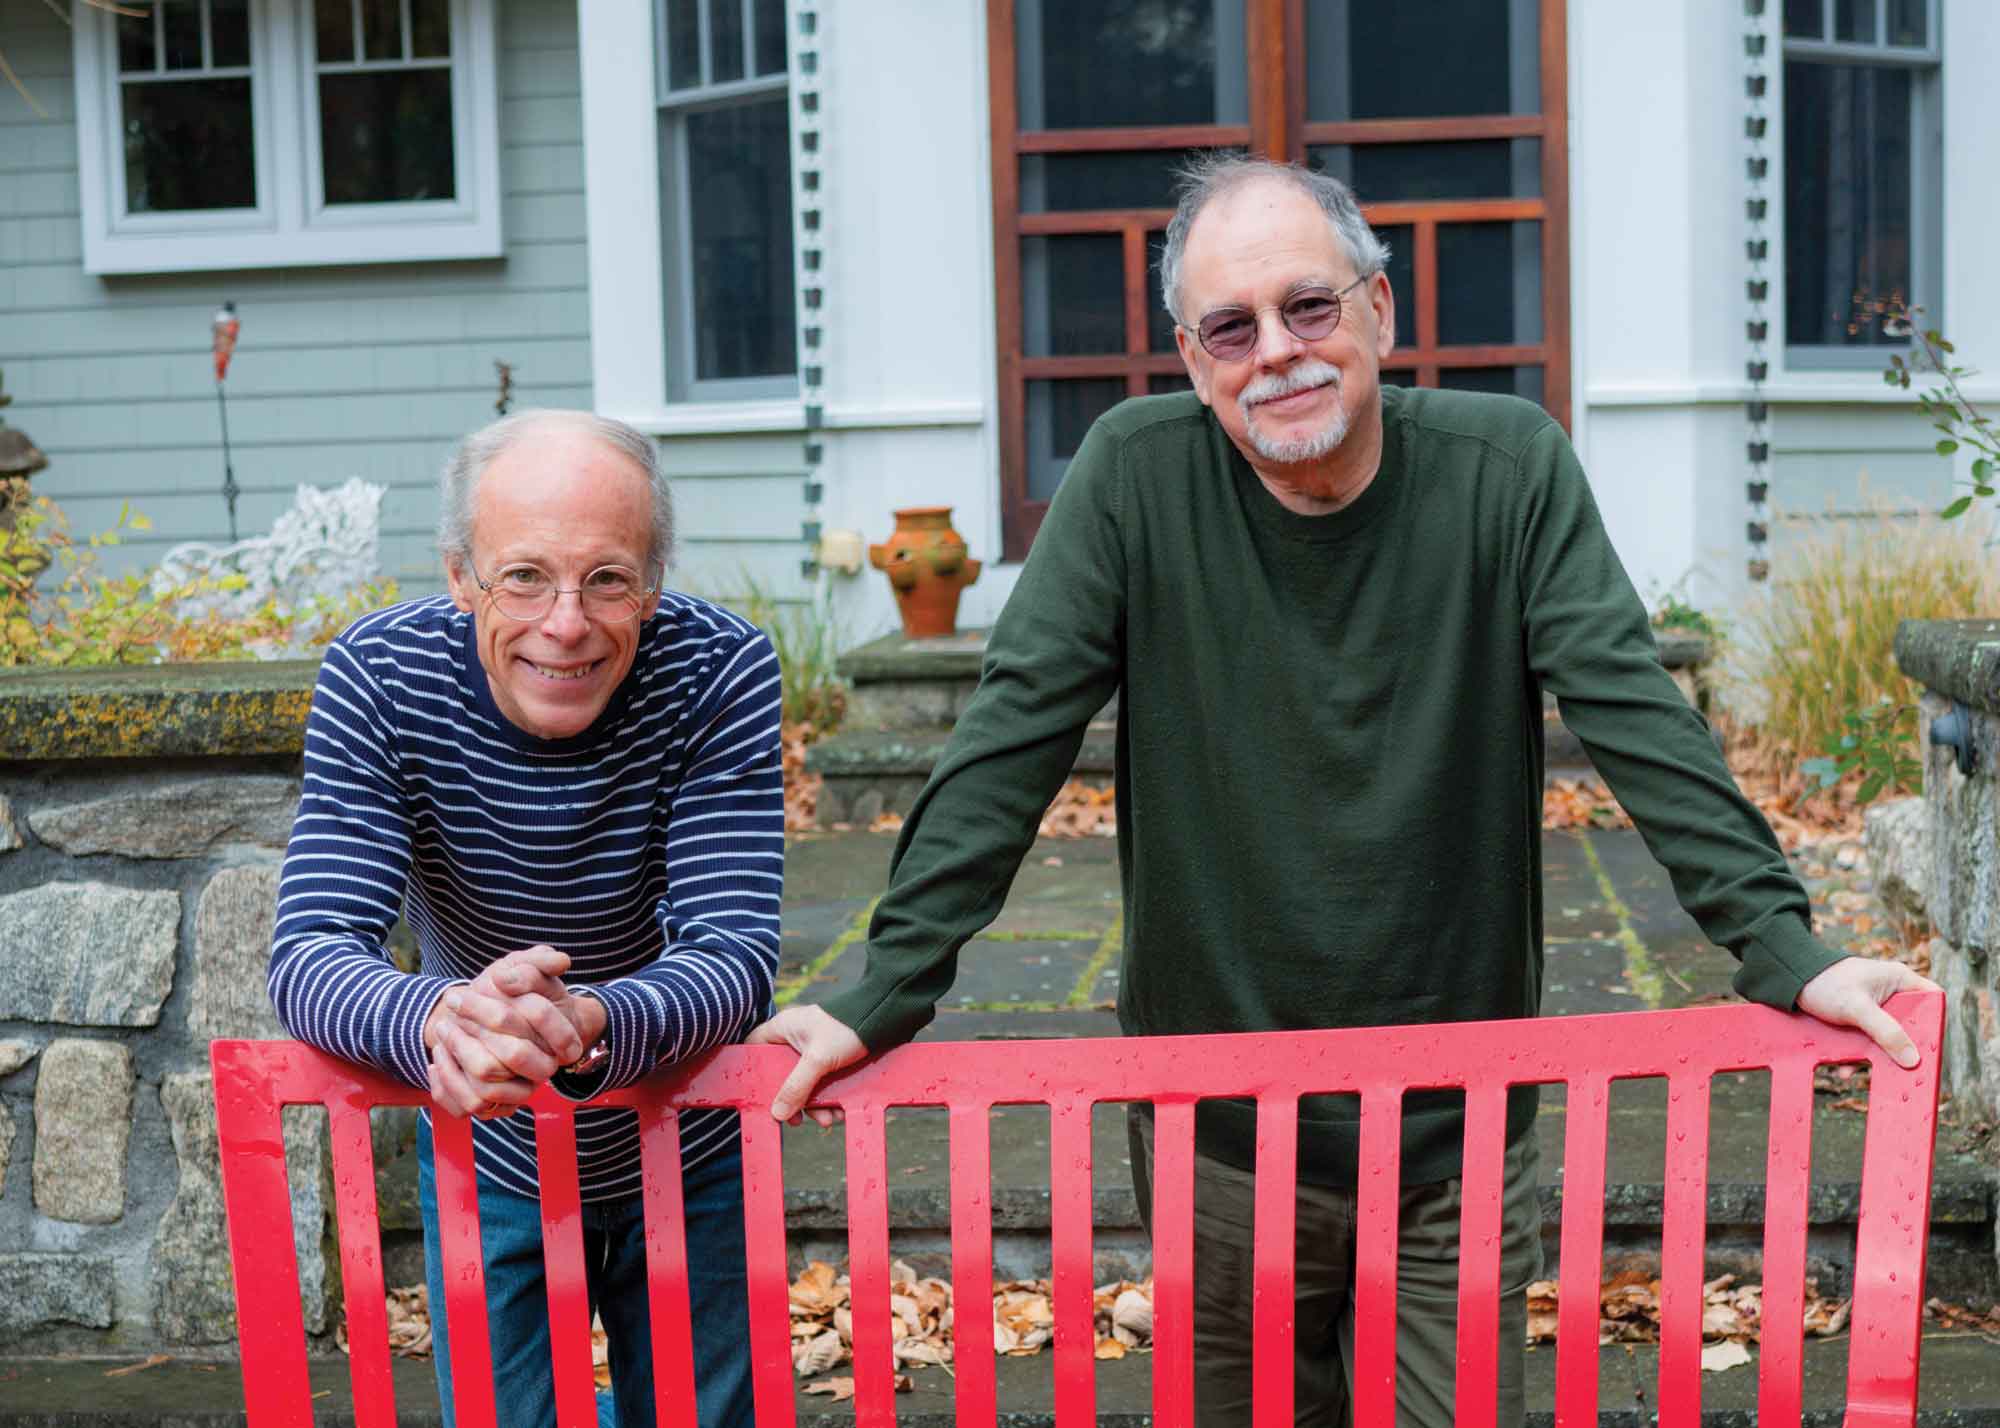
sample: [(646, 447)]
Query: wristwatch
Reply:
[(591, 1060)]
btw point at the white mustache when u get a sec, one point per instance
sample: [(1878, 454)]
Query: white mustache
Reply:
[(1303, 377)]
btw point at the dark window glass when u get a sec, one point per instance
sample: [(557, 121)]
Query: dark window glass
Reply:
[(1401, 173), (430, 29), (770, 36), (1805, 19), (229, 32), (1508, 381), (1369, 60), (1909, 22), (187, 146), (725, 40), (1059, 413), (1489, 283), (1401, 269), (739, 170), (385, 136), (181, 19), (1073, 295), (136, 51), (1161, 383), (381, 29), (333, 30), (683, 44), (1159, 323), (1119, 62), (1063, 183), (1847, 198), (1854, 20)]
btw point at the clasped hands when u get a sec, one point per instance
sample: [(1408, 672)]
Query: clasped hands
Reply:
[(493, 1041)]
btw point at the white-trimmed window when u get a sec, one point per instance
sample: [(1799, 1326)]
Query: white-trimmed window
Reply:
[(215, 134), (1864, 158), (726, 200)]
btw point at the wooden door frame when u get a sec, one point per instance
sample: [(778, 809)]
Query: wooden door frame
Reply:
[(1275, 46)]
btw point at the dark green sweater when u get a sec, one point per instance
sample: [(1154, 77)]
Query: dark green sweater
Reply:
[(1329, 747)]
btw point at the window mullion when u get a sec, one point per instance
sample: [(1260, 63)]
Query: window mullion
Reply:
[(159, 38), (354, 13), (207, 38), (702, 40), (409, 43)]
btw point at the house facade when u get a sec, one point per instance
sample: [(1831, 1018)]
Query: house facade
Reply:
[(842, 256)]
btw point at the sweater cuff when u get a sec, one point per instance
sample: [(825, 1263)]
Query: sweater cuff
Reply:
[(1779, 958), (409, 1008), (628, 1035), (881, 1018)]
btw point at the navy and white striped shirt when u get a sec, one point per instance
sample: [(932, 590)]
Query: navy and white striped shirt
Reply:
[(649, 848)]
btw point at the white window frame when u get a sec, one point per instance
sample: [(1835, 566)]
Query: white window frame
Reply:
[(1926, 66), (673, 106), (291, 225)]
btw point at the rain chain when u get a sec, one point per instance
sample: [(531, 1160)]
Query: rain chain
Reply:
[(808, 198), (1757, 326)]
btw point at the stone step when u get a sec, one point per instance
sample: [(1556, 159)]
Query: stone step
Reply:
[(866, 773), (1959, 1388)]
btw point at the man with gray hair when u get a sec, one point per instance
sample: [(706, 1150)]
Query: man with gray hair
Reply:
[(1330, 609), (567, 779)]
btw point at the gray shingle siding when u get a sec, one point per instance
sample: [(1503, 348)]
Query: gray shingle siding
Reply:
[(368, 371)]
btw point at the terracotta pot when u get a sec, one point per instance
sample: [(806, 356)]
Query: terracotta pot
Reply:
[(927, 566)]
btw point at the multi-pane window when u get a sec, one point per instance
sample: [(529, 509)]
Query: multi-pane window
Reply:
[(726, 199), (1863, 154), (255, 133), (384, 112), (1456, 152), (184, 107)]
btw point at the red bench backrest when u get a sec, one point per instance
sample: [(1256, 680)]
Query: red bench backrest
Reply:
[(253, 1080)]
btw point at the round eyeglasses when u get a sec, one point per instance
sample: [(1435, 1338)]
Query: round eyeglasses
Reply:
[(1230, 333), (612, 593)]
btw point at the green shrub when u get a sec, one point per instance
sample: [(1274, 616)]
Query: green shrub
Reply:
[(1818, 642), (56, 608)]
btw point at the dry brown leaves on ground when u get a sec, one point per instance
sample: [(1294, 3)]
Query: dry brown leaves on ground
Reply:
[(409, 1323), (1962, 1319), (1732, 1314), (1080, 810), (1847, 1083), (801, 788), (921, 1329), (1581, 803)]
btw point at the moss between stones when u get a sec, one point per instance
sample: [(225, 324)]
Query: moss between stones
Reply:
[(151, 711)]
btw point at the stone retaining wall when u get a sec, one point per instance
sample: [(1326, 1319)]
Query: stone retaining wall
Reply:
[(137, 888), (1958, 663)]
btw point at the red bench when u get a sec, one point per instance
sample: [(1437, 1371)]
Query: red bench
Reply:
[(253, 1080)]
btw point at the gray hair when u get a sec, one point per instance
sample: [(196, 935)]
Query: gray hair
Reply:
[(473, 455), (1212, 175)]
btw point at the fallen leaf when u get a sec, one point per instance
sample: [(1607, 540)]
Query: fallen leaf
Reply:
[(1716, 1358), (1110, 1349), (819, 1354), (840, 1389)]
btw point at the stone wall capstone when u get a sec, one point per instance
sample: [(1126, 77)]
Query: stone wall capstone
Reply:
[(57, 936), (182, 819), (14, 1055), (83, 1123)]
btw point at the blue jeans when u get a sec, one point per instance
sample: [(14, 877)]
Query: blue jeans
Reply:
[(614, 1248)]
